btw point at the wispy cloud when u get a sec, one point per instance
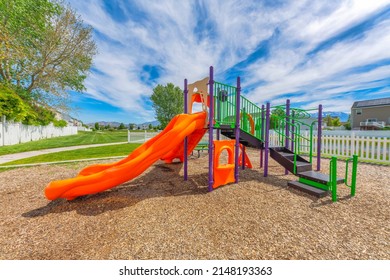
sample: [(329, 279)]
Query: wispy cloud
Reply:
[(332, 52)]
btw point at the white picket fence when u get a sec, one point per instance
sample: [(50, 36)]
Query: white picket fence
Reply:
[(139, 136), (371, 148), (15, 133)]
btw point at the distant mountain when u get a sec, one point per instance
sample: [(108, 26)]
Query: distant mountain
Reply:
[(103, 123), (154, 123), (342, 116)]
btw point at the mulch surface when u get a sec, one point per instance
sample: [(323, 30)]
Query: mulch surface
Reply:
[(159, 216)]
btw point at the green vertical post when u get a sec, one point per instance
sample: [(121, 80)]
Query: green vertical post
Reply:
[(354, 174), (333, 177)]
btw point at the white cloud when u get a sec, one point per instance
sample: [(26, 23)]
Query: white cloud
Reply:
[(166, 38)]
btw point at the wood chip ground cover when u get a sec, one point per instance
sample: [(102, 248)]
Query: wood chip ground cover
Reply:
[(159, 216)]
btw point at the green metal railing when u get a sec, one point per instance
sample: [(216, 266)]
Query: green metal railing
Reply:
[(225, 110), (354, 161), (333, 176), (250, 117), (224, 105), (295, 125)]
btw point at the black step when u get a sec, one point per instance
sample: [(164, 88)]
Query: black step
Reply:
[(286, 158), (307, 189), (318, 177), (245, 138)]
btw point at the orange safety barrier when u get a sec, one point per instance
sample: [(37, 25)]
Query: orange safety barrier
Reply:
[(223, 173), (251, 122), (248, 162)]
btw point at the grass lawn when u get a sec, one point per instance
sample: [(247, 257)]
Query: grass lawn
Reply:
[(95, 152), (82, 138)]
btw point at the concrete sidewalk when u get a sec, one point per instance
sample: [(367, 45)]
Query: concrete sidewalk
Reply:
[(12, 157)]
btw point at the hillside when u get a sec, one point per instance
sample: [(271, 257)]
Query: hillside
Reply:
[(341, 115)]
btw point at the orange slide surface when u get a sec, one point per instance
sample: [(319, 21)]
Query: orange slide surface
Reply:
[(167, 145)]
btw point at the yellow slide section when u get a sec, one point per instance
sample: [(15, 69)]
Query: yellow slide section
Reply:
[(100, 177)]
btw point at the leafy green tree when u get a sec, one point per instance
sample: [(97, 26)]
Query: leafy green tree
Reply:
[(168, 101), (13, 107), (97, 126), (336, 121), (131, 126), (276, 115), (121, 126), (45, 48), (150, 126), (328, 120), (348, 123)]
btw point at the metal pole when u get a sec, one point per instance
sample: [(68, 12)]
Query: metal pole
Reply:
[(286, 141), (186, 138), (211, 120), (292, 131), (354, 174), (334, 178), (237, 130), (262, 135), (319, 135), (267, 124)]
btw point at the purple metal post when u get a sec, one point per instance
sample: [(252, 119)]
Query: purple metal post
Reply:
[(186, 138), (286, 141), (237, 130), (211, 127), (262, 135), (267, 122), (319, 135)]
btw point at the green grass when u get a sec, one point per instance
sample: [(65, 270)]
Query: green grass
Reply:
[(95, 152), (82, 138)]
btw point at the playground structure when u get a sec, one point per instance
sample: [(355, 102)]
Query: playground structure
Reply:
[(225, 110)]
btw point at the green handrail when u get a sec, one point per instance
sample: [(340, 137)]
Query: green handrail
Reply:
[(225, 110), (333, 177), (354, 160)]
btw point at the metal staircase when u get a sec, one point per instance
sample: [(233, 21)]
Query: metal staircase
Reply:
[(292, 148)]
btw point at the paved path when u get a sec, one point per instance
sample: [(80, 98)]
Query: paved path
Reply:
[(12, 157)]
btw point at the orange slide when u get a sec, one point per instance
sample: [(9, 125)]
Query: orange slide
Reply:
[(167, 145)]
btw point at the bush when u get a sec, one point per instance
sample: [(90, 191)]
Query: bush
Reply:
[(13, 107), (59, 123), (16, 106)]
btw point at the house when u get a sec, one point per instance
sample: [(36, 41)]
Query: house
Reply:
[(371, 114)]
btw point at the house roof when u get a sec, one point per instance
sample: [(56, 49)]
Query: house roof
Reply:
[(372, 103)]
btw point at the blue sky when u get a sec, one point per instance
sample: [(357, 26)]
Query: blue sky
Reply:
[(328, 52)]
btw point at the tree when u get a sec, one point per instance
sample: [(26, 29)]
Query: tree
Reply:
[(348, 123), (45, 48), (150, 126), (328, 120), (336, 121), (131, 126), (276, 115), (121, 126), (168, 101), (97, 126)]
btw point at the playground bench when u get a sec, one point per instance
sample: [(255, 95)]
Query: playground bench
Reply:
[(201, 147)]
